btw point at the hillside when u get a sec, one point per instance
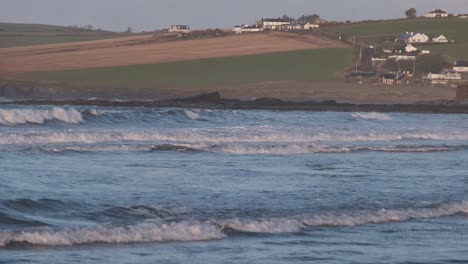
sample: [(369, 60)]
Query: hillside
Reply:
[(144, 49), (15, 34), (377, 32)]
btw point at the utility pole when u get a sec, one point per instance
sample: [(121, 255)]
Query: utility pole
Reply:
[(414, 67)]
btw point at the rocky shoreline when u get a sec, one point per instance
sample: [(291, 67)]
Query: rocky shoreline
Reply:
[(215, 101)]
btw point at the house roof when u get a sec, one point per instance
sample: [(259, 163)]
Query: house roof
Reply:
[(408, 35), (437, 11), (275, 20), (461, 63), (438, 36)]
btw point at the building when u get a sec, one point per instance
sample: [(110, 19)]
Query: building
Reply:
[(393, 78), (410, 48), (440, 39), (402, 57), (446, 75), (181, 29), (460, 66), (273, 23), (436, 13), (247, 29), (411, 37), (289, 27), (310, 26), (363, 75)]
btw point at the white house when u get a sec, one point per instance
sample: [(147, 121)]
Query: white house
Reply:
[(440, 39), (436, 13), (461, 66), (444, 75), (411, 37), (402, 57), (291, 27), (181, 29), (273, 23), (247, 29), (410, 48), (309, 26)]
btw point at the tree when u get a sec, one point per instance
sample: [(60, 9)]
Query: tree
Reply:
[(288, 18), (129, 30), (410, 13), (314, 19)]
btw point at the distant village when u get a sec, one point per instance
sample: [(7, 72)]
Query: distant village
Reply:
[(405, 50)]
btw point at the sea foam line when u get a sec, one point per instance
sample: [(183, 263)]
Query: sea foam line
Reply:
[(216, 137), (372, 115), (157, 230)]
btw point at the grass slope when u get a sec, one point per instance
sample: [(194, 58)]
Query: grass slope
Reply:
[(303, 65), (374, 32), (15, 34), (38, 28)]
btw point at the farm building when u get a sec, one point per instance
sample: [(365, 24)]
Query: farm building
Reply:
[(411, 37), (309, 26), (461, 66), (288, 27), (181, 29), (273, 23), (436, 13), (440, 39), (402, 57), (393, 78), (444, 75), (410, 48), (247, 29)]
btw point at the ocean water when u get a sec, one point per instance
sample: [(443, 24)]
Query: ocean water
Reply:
[(144, 185)]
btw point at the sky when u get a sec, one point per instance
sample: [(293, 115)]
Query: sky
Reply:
[(118, 15)]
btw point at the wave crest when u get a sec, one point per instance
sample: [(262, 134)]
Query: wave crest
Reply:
[(372, 115), (158, 230), (11, 117), (150, 231)]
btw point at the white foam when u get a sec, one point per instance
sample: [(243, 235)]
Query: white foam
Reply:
[(158, 231), (372, 115), (192, 114), (38, 116), (294, 142), (296, 224), (151, 231)]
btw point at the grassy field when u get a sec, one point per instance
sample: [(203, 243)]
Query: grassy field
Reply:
[(379, 31), (303, 65), (15, 35)]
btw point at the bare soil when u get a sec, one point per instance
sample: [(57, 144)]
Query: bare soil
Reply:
[(148, 49)]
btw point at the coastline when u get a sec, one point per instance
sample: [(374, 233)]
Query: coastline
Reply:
[(215, 101)]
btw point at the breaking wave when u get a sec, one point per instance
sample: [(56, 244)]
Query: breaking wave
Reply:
[(195, 136), (372, 115), (158, 230), (11, 117), (238, 149), (149, 231)]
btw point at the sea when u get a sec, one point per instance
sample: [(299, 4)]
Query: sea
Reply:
[(87, 184)]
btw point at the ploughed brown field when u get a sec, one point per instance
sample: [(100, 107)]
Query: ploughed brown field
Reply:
[(144, 49)]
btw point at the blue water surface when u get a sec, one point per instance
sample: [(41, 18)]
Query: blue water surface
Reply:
[(147, 185)]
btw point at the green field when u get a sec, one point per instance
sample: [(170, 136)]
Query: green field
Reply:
[(14, 35), (39, 28), (304, 65), (373, 33)]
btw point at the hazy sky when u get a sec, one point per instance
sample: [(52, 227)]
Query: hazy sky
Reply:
[(154, 14)]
